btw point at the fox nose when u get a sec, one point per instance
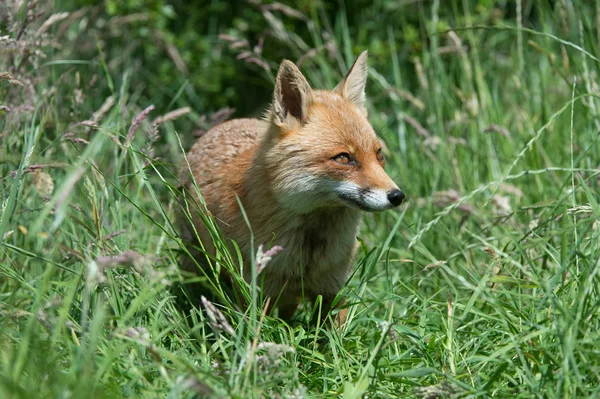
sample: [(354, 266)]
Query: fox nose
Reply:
[(395, 197)]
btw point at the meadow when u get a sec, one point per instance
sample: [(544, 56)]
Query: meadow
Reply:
[(483, 284)]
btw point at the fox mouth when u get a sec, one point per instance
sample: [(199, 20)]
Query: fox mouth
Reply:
[(361, 201), (357, 203)]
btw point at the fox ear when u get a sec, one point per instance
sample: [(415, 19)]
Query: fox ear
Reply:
[(292, 96), (352, 87)]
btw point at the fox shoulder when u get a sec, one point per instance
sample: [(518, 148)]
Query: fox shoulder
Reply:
[(221, 144)]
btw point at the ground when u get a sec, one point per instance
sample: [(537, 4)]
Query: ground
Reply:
[(485, 283)]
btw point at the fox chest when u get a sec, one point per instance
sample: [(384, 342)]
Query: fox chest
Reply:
[(314, 260)]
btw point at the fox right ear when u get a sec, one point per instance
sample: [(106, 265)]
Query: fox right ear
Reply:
[(352, 87), (292, 96)]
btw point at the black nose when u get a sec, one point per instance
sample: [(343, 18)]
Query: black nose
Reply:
[(395, 197)]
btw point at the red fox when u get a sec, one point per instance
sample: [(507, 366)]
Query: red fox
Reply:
[(303, 176)]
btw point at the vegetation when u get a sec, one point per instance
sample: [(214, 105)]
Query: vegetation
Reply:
[(484, 284)]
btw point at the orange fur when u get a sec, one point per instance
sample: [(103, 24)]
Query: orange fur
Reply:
[(291, 175)]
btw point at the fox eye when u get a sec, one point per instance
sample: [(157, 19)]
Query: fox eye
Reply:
[(379, 155), (344, 158)]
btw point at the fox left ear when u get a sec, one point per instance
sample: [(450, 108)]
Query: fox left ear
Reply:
[(352, 87)]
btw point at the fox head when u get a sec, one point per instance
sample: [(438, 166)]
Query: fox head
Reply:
[(321, 150)]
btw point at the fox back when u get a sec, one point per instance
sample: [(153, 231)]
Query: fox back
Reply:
[(303, 176)]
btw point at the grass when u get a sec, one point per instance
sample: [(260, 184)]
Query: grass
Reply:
[(484, 284)]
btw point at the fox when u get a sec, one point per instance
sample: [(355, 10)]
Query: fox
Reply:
[(303, 175)]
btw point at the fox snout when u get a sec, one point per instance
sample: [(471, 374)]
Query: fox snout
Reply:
[(369, 199)]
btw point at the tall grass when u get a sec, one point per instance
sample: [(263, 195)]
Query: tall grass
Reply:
[(484, 284)]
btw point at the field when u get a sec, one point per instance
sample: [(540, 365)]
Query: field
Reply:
[(484, 284)]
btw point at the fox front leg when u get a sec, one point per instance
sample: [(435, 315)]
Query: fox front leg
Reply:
[(287, 311), (327, 306)]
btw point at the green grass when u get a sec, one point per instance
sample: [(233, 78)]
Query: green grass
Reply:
[(484, 284)]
